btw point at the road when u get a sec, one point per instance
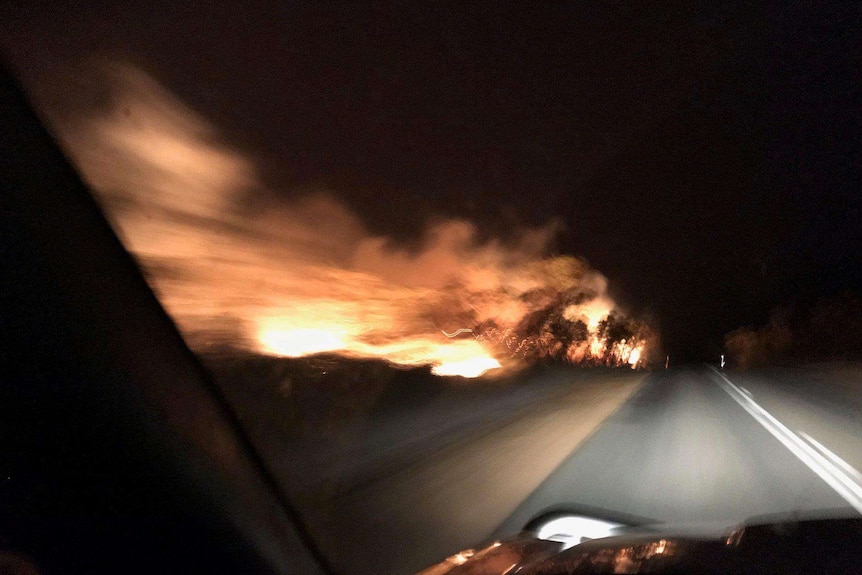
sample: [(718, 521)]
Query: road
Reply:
[(684, 451), (687, 446)]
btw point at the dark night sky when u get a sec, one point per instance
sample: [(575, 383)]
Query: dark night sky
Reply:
[(705, 159)]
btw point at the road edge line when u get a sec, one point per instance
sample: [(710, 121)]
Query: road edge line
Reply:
[(849, 469), (832, 475)]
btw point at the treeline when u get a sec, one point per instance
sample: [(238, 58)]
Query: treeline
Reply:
[(830, 329), (559, 331)]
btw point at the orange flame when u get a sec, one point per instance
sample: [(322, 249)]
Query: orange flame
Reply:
[(303, 276), (635, 356)]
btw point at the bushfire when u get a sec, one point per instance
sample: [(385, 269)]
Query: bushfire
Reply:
[(235, 262)]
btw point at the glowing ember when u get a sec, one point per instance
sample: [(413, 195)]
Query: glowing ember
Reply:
[(471, 367), (635, 356), (466, 357), (299, 342), (303, 276)]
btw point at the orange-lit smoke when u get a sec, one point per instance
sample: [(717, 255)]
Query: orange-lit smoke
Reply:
[(233, 262)]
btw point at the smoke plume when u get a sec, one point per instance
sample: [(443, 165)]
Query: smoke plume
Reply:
[(235, 263)]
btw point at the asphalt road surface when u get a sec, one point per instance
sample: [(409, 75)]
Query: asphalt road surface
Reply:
[(689, 446), (685, 450)]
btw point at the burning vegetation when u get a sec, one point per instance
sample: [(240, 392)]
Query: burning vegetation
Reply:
[(235, 263)]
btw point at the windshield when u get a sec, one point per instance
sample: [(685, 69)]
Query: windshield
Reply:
[(455, 268)]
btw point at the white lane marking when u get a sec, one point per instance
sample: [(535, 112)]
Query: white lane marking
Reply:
[(849, 469), (745, 391), (834, 476)]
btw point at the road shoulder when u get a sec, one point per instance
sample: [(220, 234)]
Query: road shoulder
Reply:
[(462, 493)]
